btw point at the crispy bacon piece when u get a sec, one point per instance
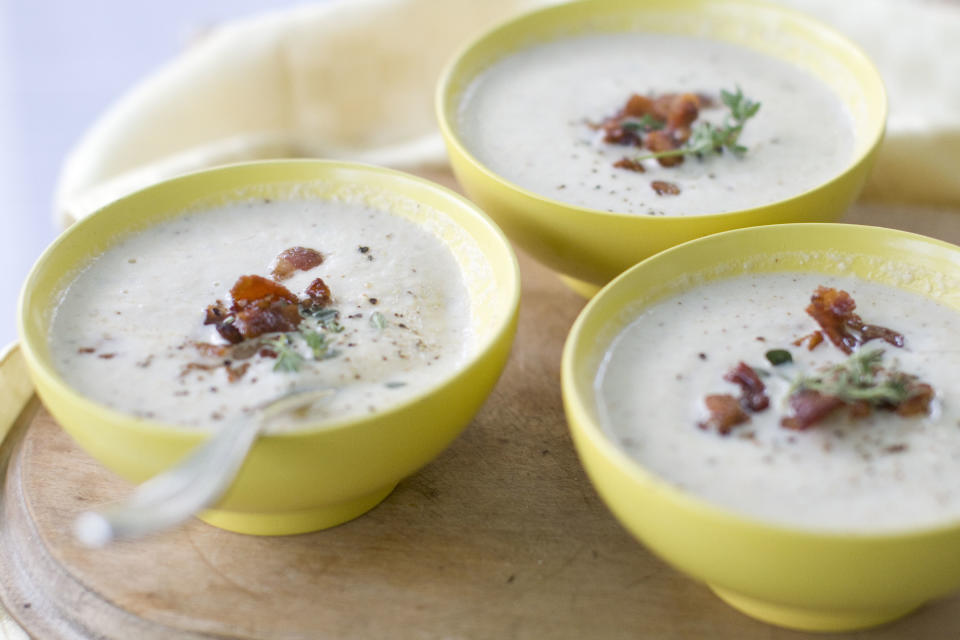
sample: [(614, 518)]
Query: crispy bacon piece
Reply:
[(211, 350), (295, 259), (199, 366), (630, 164), (833, 311), (684, 109), (318, 294), (256, 291), (918, 401), (725, 413), (661, 106), (259, 306), (638, 106), (664, 188), (809, 407), (754, 392), (278, 317), (658, 141), (812, 340), (236, 372), (870, 332), (614, 133)]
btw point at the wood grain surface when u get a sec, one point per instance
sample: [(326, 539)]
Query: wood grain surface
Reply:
[(501, 537)]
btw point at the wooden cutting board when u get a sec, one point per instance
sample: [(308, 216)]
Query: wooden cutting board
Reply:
[(501, 537)]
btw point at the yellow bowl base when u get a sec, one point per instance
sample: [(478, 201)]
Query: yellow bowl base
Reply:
[(294, 522), (584, 288), (810, 619)]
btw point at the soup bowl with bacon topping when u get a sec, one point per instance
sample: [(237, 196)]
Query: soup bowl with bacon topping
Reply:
[(599, 132), (773, 411), (198, 302)]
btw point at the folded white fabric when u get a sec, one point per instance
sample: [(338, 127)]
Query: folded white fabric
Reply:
[(914, 45), (348, 79), (354, 79)]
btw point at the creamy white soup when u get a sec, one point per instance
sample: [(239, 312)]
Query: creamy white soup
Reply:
[(886, 457), (200, 319), (535, 118)]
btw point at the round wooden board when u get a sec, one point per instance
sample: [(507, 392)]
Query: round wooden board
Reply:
[(501, 537)]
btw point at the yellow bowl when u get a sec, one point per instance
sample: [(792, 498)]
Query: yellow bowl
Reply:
[(589, 247), (308, 479), (783, 575)]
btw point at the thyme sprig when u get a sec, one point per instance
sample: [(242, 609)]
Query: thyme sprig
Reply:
[(288, 358), (319, 345), (859, 378), (707, 139)]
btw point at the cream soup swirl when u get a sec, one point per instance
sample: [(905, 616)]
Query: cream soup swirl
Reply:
[(527, 118), (879, 473), (129, 330)]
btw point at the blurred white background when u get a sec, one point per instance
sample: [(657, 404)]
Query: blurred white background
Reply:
[(62, 62)]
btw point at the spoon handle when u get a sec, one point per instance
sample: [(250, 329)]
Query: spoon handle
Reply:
[(194, 483), (173, 496)]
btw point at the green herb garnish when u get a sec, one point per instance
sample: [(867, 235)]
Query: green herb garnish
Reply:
[(707, 138), (318, 344), (378, 320), (859, 378), (288, 359), (777, 357), (328, 318), (394, 385)]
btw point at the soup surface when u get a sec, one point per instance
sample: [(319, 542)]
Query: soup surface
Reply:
[(200, 319), (855, 466), (534, 118)]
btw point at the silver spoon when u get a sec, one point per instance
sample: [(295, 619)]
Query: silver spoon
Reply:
[(193, 484)]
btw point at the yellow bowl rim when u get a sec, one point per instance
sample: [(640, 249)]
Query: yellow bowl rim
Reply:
[(588, 428), (450, 135), (45, 370)]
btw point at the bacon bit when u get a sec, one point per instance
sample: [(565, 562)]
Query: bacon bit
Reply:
[(896, 448), (278, 317), (237, 372), (809, 407), (257, 290), (199, 366), (216, 313), (86, 350), (629, 164), (261, 306), (295, 259), (661, 106), (918, 402), (684, 109), (860, 409), (870, 332), (319, 293), (813, 339), (753, 395), (725, 413), (107, 356), (638, 106), (616, 134), (212, 350), (833, 311), (658, 141), (665, 188)]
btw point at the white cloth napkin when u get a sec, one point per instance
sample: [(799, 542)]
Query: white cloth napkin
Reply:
[(354, 79)]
